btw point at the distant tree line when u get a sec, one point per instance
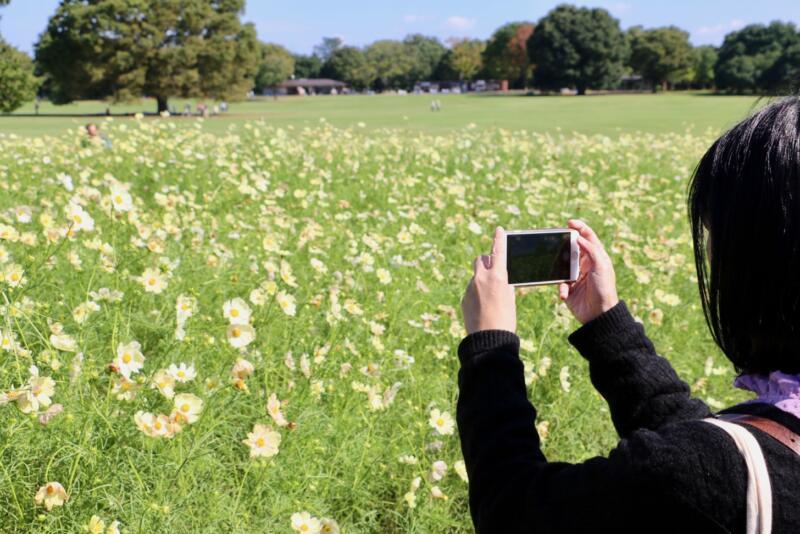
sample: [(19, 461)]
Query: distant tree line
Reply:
[(572, 47), (124, 49)]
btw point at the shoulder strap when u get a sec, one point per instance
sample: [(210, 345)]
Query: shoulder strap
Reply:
[(776, 430), (759, 488)]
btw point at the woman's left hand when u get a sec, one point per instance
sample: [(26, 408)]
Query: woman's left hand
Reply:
[(488, 302)]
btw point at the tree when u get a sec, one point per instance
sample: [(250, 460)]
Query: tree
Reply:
[(390, 62), (783, 77), (704, 58), (348, 64), (577, 47), (660, 55), (506, 55), (328, 46), (465, 58), (307, 66), (155, 48), (17, 81), (747, 57), (275, 66), (425, 53)]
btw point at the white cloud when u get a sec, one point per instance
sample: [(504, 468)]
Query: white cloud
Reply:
[(720, 29), (411, 18), (457, 22)]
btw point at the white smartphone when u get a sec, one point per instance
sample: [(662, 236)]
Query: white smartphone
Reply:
[(539, 257)]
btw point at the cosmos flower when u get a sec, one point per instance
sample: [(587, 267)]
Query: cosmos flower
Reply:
[(50, 495), (130, 359), (121, 200), (153, 281), (306, 523), (188, 407), (182, 372), (237, 312), (263, 441), (240, 335), (442, 422)]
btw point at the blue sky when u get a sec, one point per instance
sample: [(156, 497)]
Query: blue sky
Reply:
[(299, 25)]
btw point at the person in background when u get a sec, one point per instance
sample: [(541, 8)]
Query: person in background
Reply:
[(93, 136), (678, 467)]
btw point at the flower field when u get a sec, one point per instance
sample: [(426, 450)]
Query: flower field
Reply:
[(257, 331)]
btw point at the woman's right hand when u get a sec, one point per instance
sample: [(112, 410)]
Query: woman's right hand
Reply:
[(595, 291)]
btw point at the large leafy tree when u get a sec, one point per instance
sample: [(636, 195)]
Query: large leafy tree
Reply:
[(276, 64), (307, 66), (328, 46), (506, 54), (704, 58), (661, 55), (17, 81), (348, 64), (157, 48), (425, 54), (577, 47), (391, 63), (747, 58), (466, 57)]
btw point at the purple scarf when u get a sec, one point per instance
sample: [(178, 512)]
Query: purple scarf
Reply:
[(778, 389)]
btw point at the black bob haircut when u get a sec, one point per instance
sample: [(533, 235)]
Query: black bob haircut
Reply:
[(744, 198)]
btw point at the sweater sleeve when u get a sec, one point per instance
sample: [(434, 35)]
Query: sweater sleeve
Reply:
[(641, 388), (647, 480)]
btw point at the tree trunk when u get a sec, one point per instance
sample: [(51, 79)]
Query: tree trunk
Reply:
[(665, 86), (162, 103), (581, 90)]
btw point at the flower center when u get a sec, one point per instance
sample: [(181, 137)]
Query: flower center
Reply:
[(118, 199), (181, 374), (126, 358), (440, 422), (234, 312), (50, 489), (15, 277), (185, 407), (151, 282), (260, 442), (236, 332)]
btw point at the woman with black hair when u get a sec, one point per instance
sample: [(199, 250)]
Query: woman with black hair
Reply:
[(678, 467)]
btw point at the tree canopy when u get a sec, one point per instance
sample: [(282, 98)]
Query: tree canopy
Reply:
[(391, 63), (506, 56), (276, 65), (307, 66), (17, 81), (660, 55), (704, 58), (156, 48), (755, 58), (348, 64), (577, 47), (425, 54), (466, 57)]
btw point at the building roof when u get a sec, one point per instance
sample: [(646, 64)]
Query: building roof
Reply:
[(312, 82)]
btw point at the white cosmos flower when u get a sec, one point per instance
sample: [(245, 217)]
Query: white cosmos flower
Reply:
[(129, 359), (121, 199), (64, 342), (306, 523), (237, 311), (185, 306), (182, 372), (263, 441), (153, 281), (461, 469), (242, 369), (188, 407), (442, 422), (274, 410), (50, 495), (287, 303), (164, 381), (79, 219), (240, 335)]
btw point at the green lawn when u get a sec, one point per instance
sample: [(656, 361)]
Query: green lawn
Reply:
[(605, 114)]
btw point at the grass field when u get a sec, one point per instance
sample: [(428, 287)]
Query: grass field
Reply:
[(605, 114), (312, 280)]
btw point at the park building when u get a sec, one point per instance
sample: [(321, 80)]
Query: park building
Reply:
[(312, 86)]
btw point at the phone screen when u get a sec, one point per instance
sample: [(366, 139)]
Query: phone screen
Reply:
[(533, 258)]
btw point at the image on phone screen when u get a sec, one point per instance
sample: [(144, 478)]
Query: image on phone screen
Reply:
[(538, 258)]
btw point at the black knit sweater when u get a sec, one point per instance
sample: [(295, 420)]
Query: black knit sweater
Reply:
[(670, 471)]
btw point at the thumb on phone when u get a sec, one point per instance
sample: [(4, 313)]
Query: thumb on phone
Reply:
[(499, 248)]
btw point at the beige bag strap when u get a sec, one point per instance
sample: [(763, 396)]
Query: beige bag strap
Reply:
[(759, 489)]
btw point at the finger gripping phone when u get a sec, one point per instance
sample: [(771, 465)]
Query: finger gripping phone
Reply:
[(539, 257)]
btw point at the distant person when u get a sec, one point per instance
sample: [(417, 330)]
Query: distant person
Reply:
[(215, 110), (678, 467), (36, 105), (187, 110), (94, 137), (223, 106)]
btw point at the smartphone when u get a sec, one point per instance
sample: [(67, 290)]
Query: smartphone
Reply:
[(539, 257)]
